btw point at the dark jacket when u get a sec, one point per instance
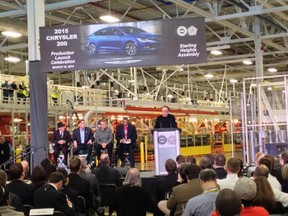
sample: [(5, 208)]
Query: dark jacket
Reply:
[(165, 122), (131, 133), (88, 135), (57, 137), (107, 175), (21, 189), (49, 197)]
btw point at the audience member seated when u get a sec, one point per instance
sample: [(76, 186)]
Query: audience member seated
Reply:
[(228, 203), (232, 168), (79, 184), (50, 169), (49, 196), (252, 167), (131, 199), (18, 186), (182, 193), (191, 159), (285, 178), (69, 192), (203, 204), (45, 162), (265, 197), (211, 157), (164, 185), (272, 159), (182, 178), (283, 161), (106, 174), (92, 179), (25, 166), (246, 188), (180, 159), (206, 163), (14, 200), (240, 173), (38, 177), (5, 209), (219, 164), (271, 179), (263, 170)]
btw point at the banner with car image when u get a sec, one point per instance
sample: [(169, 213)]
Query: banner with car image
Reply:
[(122, 45)]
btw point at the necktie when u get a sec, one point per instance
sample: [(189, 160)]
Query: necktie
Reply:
[(61, 134)]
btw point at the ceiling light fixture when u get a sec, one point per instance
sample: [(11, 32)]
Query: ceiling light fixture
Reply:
[(233, 81), (253, 85), (12, 59), (247, 62), (209, 75), (11, 34), (272, 70), (216, 52), (109, 18), (269, 88)]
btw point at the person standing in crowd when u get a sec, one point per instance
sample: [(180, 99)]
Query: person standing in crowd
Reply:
[(103, 140), (6, 89), (61, 139), (126, 136), (165, 120), (5, 151), (82, 139)]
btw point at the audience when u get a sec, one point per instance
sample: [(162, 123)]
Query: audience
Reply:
[(182, 193), (131, 199), (17, 184), (182, 178), (228, 203), (283, 161), (206, 163), (246, 188), (203, 204), (180, 159), (164, 185), (284, 170), (191, 159), (45, 162), (106, 174), (38, 177), (5, 208), (232, 168), (14, 200), (265, 197), (219, 164), (50, 196), (79, 184), (25, 166)]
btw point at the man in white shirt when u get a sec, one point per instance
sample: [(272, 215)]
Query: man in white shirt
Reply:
[(232, 167)]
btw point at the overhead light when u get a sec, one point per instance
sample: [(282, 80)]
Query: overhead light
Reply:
[(209, 75), (216, 52), (233, 81), (253, 85), (247, 62), (169, 96), (272, 70), (269, 88), (17, 120), (11, 34), (12, 59), (181, 69), (109, 19)]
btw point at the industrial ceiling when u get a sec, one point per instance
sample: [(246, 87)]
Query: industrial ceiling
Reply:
[(234, 26)]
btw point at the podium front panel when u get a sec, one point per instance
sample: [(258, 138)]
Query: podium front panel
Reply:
[(166, 146)]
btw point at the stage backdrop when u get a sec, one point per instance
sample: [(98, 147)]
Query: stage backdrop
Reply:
[(131, 44)]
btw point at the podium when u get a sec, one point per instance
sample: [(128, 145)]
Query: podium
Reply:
[(166, 146)]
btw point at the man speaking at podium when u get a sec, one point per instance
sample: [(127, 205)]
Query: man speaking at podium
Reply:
[(165, 120)]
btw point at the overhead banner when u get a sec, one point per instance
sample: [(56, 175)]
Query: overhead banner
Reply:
[(121, 45)]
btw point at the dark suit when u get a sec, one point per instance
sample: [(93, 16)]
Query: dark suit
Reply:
[(21, 189), (94, 186), (49, 197), (64, 147), (131, 201), (88, 135), (107, 175), (162, 187), (82, 186), (126, 148)]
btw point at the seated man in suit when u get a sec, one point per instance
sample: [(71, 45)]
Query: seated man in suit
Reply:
[(50, 196), (61, 139), (82, 139), (79, 184), (126, 136), (106, 174), (18, 186), (103, 139)]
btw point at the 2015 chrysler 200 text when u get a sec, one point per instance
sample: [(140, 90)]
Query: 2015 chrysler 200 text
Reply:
[(124, 39)]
